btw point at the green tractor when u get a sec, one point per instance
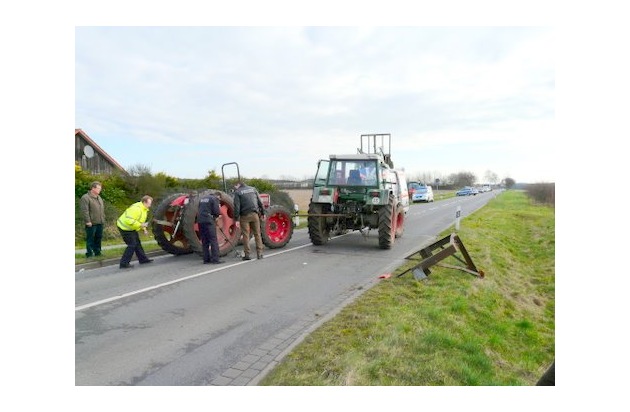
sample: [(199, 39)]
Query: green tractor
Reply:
[(360, 191)]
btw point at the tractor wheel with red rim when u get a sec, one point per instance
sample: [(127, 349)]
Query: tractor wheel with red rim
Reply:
[(277, 227), (167, 224)]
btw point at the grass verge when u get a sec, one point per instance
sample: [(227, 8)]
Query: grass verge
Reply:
[(452, 328)]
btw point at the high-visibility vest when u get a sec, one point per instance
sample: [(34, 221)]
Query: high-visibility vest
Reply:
[(133, 217)]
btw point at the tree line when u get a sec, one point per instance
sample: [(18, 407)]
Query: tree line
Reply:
[(121, 190), (460, 179)]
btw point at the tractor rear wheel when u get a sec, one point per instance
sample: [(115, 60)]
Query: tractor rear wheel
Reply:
[(387, 224), (277, 228), (167, 228), (227, 232), (317, 230)]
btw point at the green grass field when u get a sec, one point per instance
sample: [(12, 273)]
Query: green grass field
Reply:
[(451, 329)]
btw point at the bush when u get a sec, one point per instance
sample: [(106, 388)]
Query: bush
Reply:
[(110, 231), (544, 193)]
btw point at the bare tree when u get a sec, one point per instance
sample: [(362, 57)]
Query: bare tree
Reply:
[(428, 177), (462, 179), (142, 182), (423, 177), (139, 170), (491, 177), (509, 182)]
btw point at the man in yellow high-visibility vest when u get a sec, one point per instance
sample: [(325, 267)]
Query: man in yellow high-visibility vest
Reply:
[(129, 224)]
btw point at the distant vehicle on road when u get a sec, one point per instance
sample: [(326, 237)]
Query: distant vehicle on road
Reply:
[(420, 192), (467, 191)]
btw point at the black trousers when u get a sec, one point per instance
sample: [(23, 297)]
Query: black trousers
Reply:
[(93, 238), (132, 240), (209, 242)]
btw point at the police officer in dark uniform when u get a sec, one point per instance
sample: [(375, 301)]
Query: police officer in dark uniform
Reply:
[(209, 211), (248, 210)]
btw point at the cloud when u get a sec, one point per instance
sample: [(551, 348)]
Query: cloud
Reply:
[(286, 96)]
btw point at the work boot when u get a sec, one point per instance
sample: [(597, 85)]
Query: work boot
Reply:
[(246, 257), (260, 256)]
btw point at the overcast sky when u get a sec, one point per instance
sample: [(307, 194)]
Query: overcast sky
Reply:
[(185, 100)]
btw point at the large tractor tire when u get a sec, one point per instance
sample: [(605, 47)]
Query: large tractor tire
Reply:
[(227, 232), (387, 224), (167, 225), (277, 227), (400, 220), (317, 229)]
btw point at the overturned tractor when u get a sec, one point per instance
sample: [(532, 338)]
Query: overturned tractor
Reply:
[(176, 230)]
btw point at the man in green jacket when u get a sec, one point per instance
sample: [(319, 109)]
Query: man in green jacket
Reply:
[(129, 224), (93, 213)]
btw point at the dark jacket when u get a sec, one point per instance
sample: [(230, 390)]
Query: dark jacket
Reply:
[(209, 209), (92, 209), (247, 200)]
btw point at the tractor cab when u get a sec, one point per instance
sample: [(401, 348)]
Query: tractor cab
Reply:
[(348, 171)]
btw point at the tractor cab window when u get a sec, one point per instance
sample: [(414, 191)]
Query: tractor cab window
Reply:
[(322, 173), (352, 173)]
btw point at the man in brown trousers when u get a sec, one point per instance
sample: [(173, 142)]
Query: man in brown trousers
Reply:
[(248, 210)]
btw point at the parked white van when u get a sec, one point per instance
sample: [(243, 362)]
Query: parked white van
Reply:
[(420, 192)]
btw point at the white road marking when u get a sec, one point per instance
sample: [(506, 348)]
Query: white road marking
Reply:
[(172, 282)]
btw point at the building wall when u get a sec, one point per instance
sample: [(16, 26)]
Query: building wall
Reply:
[(97, 163)]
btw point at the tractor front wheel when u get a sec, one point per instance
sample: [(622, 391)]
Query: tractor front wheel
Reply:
[(277, 227), (317, 229)]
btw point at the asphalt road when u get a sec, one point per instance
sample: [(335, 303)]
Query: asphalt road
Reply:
[(179, 322)]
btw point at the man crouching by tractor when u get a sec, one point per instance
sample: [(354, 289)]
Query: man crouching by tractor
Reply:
[(209, 211), (248, 211)]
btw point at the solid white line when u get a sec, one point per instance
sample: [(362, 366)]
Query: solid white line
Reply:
[(172, 282)]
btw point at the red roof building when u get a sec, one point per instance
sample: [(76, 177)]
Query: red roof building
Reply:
[(91, 157)]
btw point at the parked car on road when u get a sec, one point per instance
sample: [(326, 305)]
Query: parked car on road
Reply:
[(466, 191), (420, 192)]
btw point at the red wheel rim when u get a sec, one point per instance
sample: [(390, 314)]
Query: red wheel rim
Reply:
[(277, 227), (170, 215)]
